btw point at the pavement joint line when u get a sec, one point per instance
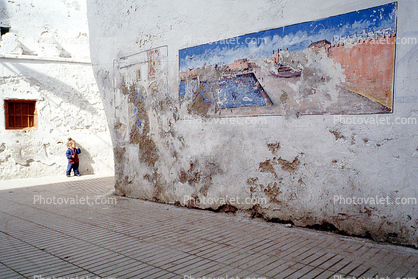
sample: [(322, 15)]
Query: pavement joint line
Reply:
[(40, 250), (367, 269), (339, 270), (290, 270), (93, 265), (117, 270), (323, 261), (183, 266), (11, 269), (77, 220), (135, 269), (313, 273), (84, 261), (300, 248), (331, 264), (70, 236)]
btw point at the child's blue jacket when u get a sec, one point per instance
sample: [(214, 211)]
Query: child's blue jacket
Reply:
[(73, 152)]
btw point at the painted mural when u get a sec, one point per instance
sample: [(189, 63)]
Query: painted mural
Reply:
[(338, 65), (137, 77)]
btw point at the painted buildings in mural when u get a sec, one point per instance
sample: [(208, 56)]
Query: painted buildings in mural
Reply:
[(341, 65)]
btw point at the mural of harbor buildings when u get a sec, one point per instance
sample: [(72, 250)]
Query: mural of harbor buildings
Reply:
[(339, 65)]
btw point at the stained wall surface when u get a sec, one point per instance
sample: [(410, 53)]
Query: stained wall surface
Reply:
[(45, 57), (342, 172)]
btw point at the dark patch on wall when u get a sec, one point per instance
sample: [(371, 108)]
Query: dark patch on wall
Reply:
[(253, 186), (280, 221), (117, 125), (273, 147), (288, 166), (139, 134), (205, 91), (256, 212), (155, 179), (368, 211), (337, 134), (390, 236), (121, 188), (273, 191), (193, 201), (119, 155), (283, 97), (267, 166), (200, 174), (198, 106), (227, 208), (252, 180), (300, 181), (324, 226)]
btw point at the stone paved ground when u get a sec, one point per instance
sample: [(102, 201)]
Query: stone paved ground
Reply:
[(140, 239)]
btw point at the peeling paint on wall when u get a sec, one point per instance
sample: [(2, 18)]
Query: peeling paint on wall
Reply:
[(145, 116), (299, 159)]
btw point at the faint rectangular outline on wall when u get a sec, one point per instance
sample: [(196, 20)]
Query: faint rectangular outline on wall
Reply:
[(134, 69), (128, 61), (20, 114)]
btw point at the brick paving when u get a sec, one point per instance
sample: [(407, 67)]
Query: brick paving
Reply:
[(117, 237)]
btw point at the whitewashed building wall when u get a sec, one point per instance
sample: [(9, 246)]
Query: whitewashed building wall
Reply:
[(45, 57)]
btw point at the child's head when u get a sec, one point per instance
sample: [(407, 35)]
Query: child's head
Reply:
[(71, 143)]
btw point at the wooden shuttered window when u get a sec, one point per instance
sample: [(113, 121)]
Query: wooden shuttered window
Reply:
[(20, 114)]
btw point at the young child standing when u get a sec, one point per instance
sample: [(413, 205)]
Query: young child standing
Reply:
[(72, 156)]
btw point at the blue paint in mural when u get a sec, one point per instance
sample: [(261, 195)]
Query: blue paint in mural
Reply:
[(182, 88), (240, 92), (137, 100)]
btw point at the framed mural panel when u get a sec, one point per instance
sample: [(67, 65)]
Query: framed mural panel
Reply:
[(342, 64)]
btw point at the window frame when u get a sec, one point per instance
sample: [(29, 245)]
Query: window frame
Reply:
[(21, 114), (4, 29)]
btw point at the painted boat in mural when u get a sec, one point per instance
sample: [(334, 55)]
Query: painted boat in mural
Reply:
[(286, 72)]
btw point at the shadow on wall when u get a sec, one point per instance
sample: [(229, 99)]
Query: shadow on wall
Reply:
[(86, 161), (66, 92)]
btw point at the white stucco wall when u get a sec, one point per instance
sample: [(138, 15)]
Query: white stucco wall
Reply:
[(174, 157), (45, 57)]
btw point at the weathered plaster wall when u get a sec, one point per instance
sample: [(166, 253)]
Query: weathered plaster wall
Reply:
[(166, 149), (45, 28), (45, 58)]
